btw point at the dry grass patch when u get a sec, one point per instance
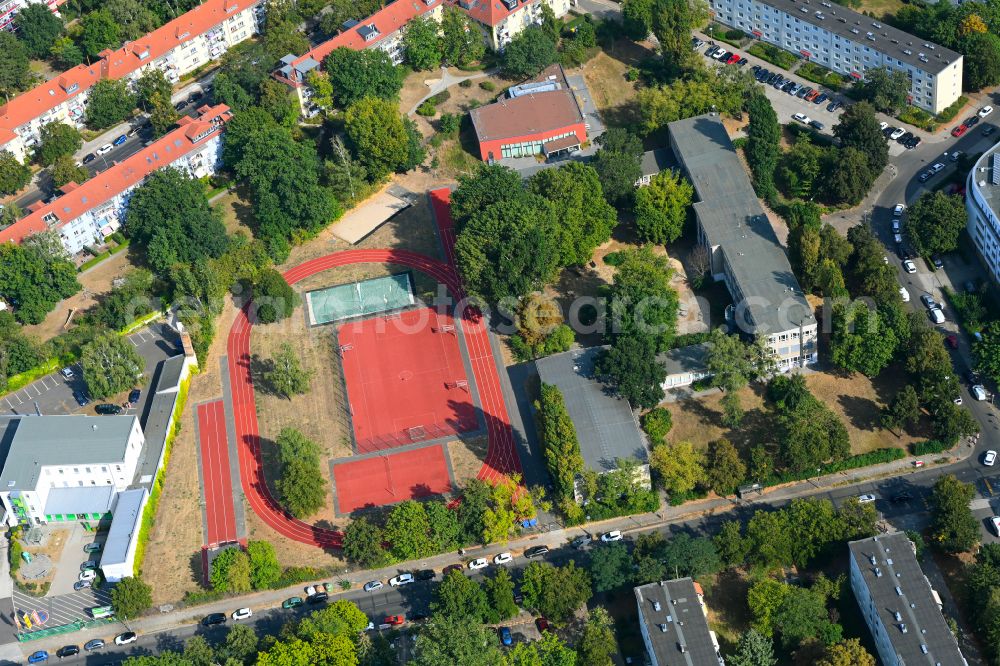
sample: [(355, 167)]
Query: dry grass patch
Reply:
[(467, 456)]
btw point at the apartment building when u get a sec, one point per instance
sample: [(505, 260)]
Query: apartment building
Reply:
[(87, 214), (176, 48), (982, 204), (62, 468), (502, 20), (673, 621), (10, 8), (850, 43), (899, 606), (744, 250)]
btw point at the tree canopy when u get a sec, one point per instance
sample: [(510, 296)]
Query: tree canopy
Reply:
[(422, 43), (356, 74), (38, 28), (935, 221), (382, 139), (110, 365), (110, 102), (531, 51), (662, 207), (33, 281), (953, 527)]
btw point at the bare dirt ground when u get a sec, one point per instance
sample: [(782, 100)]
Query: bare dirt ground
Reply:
[(95, 282), (467, 457), (605, 76), (237, 213), (856, 399)]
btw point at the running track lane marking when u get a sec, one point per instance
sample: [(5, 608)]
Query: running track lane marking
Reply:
[(501, 457), (220, 512)]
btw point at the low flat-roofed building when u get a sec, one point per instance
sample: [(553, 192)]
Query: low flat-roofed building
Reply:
[(673, 621), (118, 554), (605, 425), (684, 365), (898, 604), (744, 250)]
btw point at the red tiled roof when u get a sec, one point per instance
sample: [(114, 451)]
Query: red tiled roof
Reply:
[(489, 12), (78, 199), (116, 64), (526, 115)]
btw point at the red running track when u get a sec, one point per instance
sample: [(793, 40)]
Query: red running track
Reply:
[(218, 484), (501, 457)]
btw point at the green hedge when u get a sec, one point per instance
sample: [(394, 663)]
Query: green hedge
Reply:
[(821, 75), (949, 114), (427, 109), (918, 118), (876, 457), (928, 447), (774, 55), (90, 263), (689, 339)]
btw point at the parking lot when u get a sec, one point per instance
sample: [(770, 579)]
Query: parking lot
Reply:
[(64, 608)]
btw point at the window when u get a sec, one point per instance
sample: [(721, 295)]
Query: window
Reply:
[(76, 470)]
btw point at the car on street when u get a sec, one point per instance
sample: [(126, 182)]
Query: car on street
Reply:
[(937, 261), (978, 392), (833, 106), (536, 551), (89, 574), (542, 624), (971, 122), (479, 563), (394, 620), (119, 140), (81, 399), (68, 651), (815, 124), (401, 579), (89, 157), (425, 574), (989, 129), (242, 613), (292, 602), (197, 94), (883, 125), (936, 315), (972, 377), (81, 585), (959, 131), (128, 637), (108, 409), (373, 585), (985, 111), (213, 619), (134, 395), (38, 656), (897, 210), (898, 239), (503, 558), (92, 548), (317, 598), (96, 644), (896, 226), (995, 521), (581, 541), (952, 341), (89, 564), (904, 295), (866, 498), (909, 266), (613, 535), (990, 458), (955, 155), (179, 106), (897, 133), (957, 400), (505, 636), (802, 118), (105, 149)]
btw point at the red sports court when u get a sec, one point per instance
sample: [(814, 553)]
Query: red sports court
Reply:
[(405, 379), (391, 478)]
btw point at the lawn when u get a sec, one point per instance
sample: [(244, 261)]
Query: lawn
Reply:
[(605, 74), (821, 75), (774, 55), (880, 8)]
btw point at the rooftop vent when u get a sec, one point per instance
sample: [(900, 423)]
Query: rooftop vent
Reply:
[(656, 605), (899, 591), (663, 628), (923, 648)]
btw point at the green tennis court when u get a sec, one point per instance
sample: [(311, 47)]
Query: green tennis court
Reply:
[(357, 299)]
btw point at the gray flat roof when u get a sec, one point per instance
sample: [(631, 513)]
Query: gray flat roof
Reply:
[(891, 41), (655, 161), (765, 290), (903, 588), (33, 441), (125, 520), (86, 499), (157, 417), (989, 191), (685, 359), (605, 426), (678, 602)]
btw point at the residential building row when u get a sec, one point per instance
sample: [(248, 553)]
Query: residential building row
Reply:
[(498, 20), (87, 214), (982, 204), (850, 43), (673, 622), (179, 47)]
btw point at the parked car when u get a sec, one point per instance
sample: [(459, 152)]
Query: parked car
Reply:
[(542, 624), (479, 563), (883, 125), (613, 535), (89, 157), (81, 399), (505, 636), (95, 644), (937, 261), (92, 548), (292, 602), (89, 564), (833, 106), (128, 637), (912, 142), (904, 295), (38, 656), (952, 341), (909, 266), (394, 620), (959, 131), (425, 574), (242, 613), (733, 59), (742, 62), (179, 106), (815, 124), (821, 98), (897, 210), (928, 301), (995, 521), (866, 498), (581, 541), (401, 579), (108, 409), (317, 598), (213, 619), (990, 458), (68, 651), (120, 140), (503, 558), (105, 149), (936, 315), (904, 137), (971, 122), (134, 395), (81, 585), (536, 551), (985, 111), (989, 129), (89, 574), (802, 118), (373, 585), (802, 93), (978, 392)]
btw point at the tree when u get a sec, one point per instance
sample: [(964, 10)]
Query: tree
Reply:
[(661, 208), (559, 442), (935, 221), (848, 652), (555, 592), (584, 219), (231, 571), (459, 596), (730, 544), (57, 140), (500, 596), (150, 84), (363, 544), (952, 422), (100, 32), (629, 364), (610, 567), (445, 531), (858, 128), (286, 376), (531, 51), (763, 144), (38, 28), (953, 527), (679, 465), (488, 184), (547, 651), (849, 177), (731, 364), (656, 423), (724, 469), (110, 365), (618, 163), (265, 570), (461, 38), (903, 411), (407, 531), (280, 102), (638, 18), (65, 170), (380, 138), (14, 71), (753, 649), (861, 341), (687, 97), (162, 114), (35, 280), (886, 89), (130, 597), (799, 172), (281, 31), (302, 484), (422, 43), (643, 300), (802, 615), (982, 67), (355, 75), (339, 618), (13, 174), (110, 103), (455, 641), (810, 434), (197, 652), (672, 22), (597, 644)]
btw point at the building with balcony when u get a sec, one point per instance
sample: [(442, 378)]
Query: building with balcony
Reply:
[(177, 48), (64, 468), (10, 8), (899, 606), (673, 621), (502, 20), (982, 203), (744, 250), (87, 214), (849, 43)]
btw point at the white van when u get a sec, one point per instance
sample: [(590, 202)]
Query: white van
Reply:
[(905, 295), (936, 315)]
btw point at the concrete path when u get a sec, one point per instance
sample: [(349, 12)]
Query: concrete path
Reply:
[(446, 81)]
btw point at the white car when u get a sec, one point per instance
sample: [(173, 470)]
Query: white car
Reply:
[(896, 226), (105, 149), (614, 535), (936, 315), (990, 458), (242, 613), (958, 400), (882, 125), (937, 167), (126, 638), (996, 524), (88, 574), (905, 295), (503, 558), (373, 585), (985, 111), (909, 266), (802, 118), (311, 590), (401, 579), (898, 238), (898, 210), (978, 392), (866, 498), (479, 563), (899, 131)]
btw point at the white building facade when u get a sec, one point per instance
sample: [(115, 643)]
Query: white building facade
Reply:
[(849, 43), (982, 204)]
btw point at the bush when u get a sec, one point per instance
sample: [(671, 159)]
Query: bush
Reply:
[(918, 117), (614, 258), (656, 423), (426, 109), (14, 554), (488, 86), (773, 55), (740, 143), (440, 98), (928, 447), (949, 114), (821, 75), (450, 123), (118, 237), (688, 339), (465, 83)]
